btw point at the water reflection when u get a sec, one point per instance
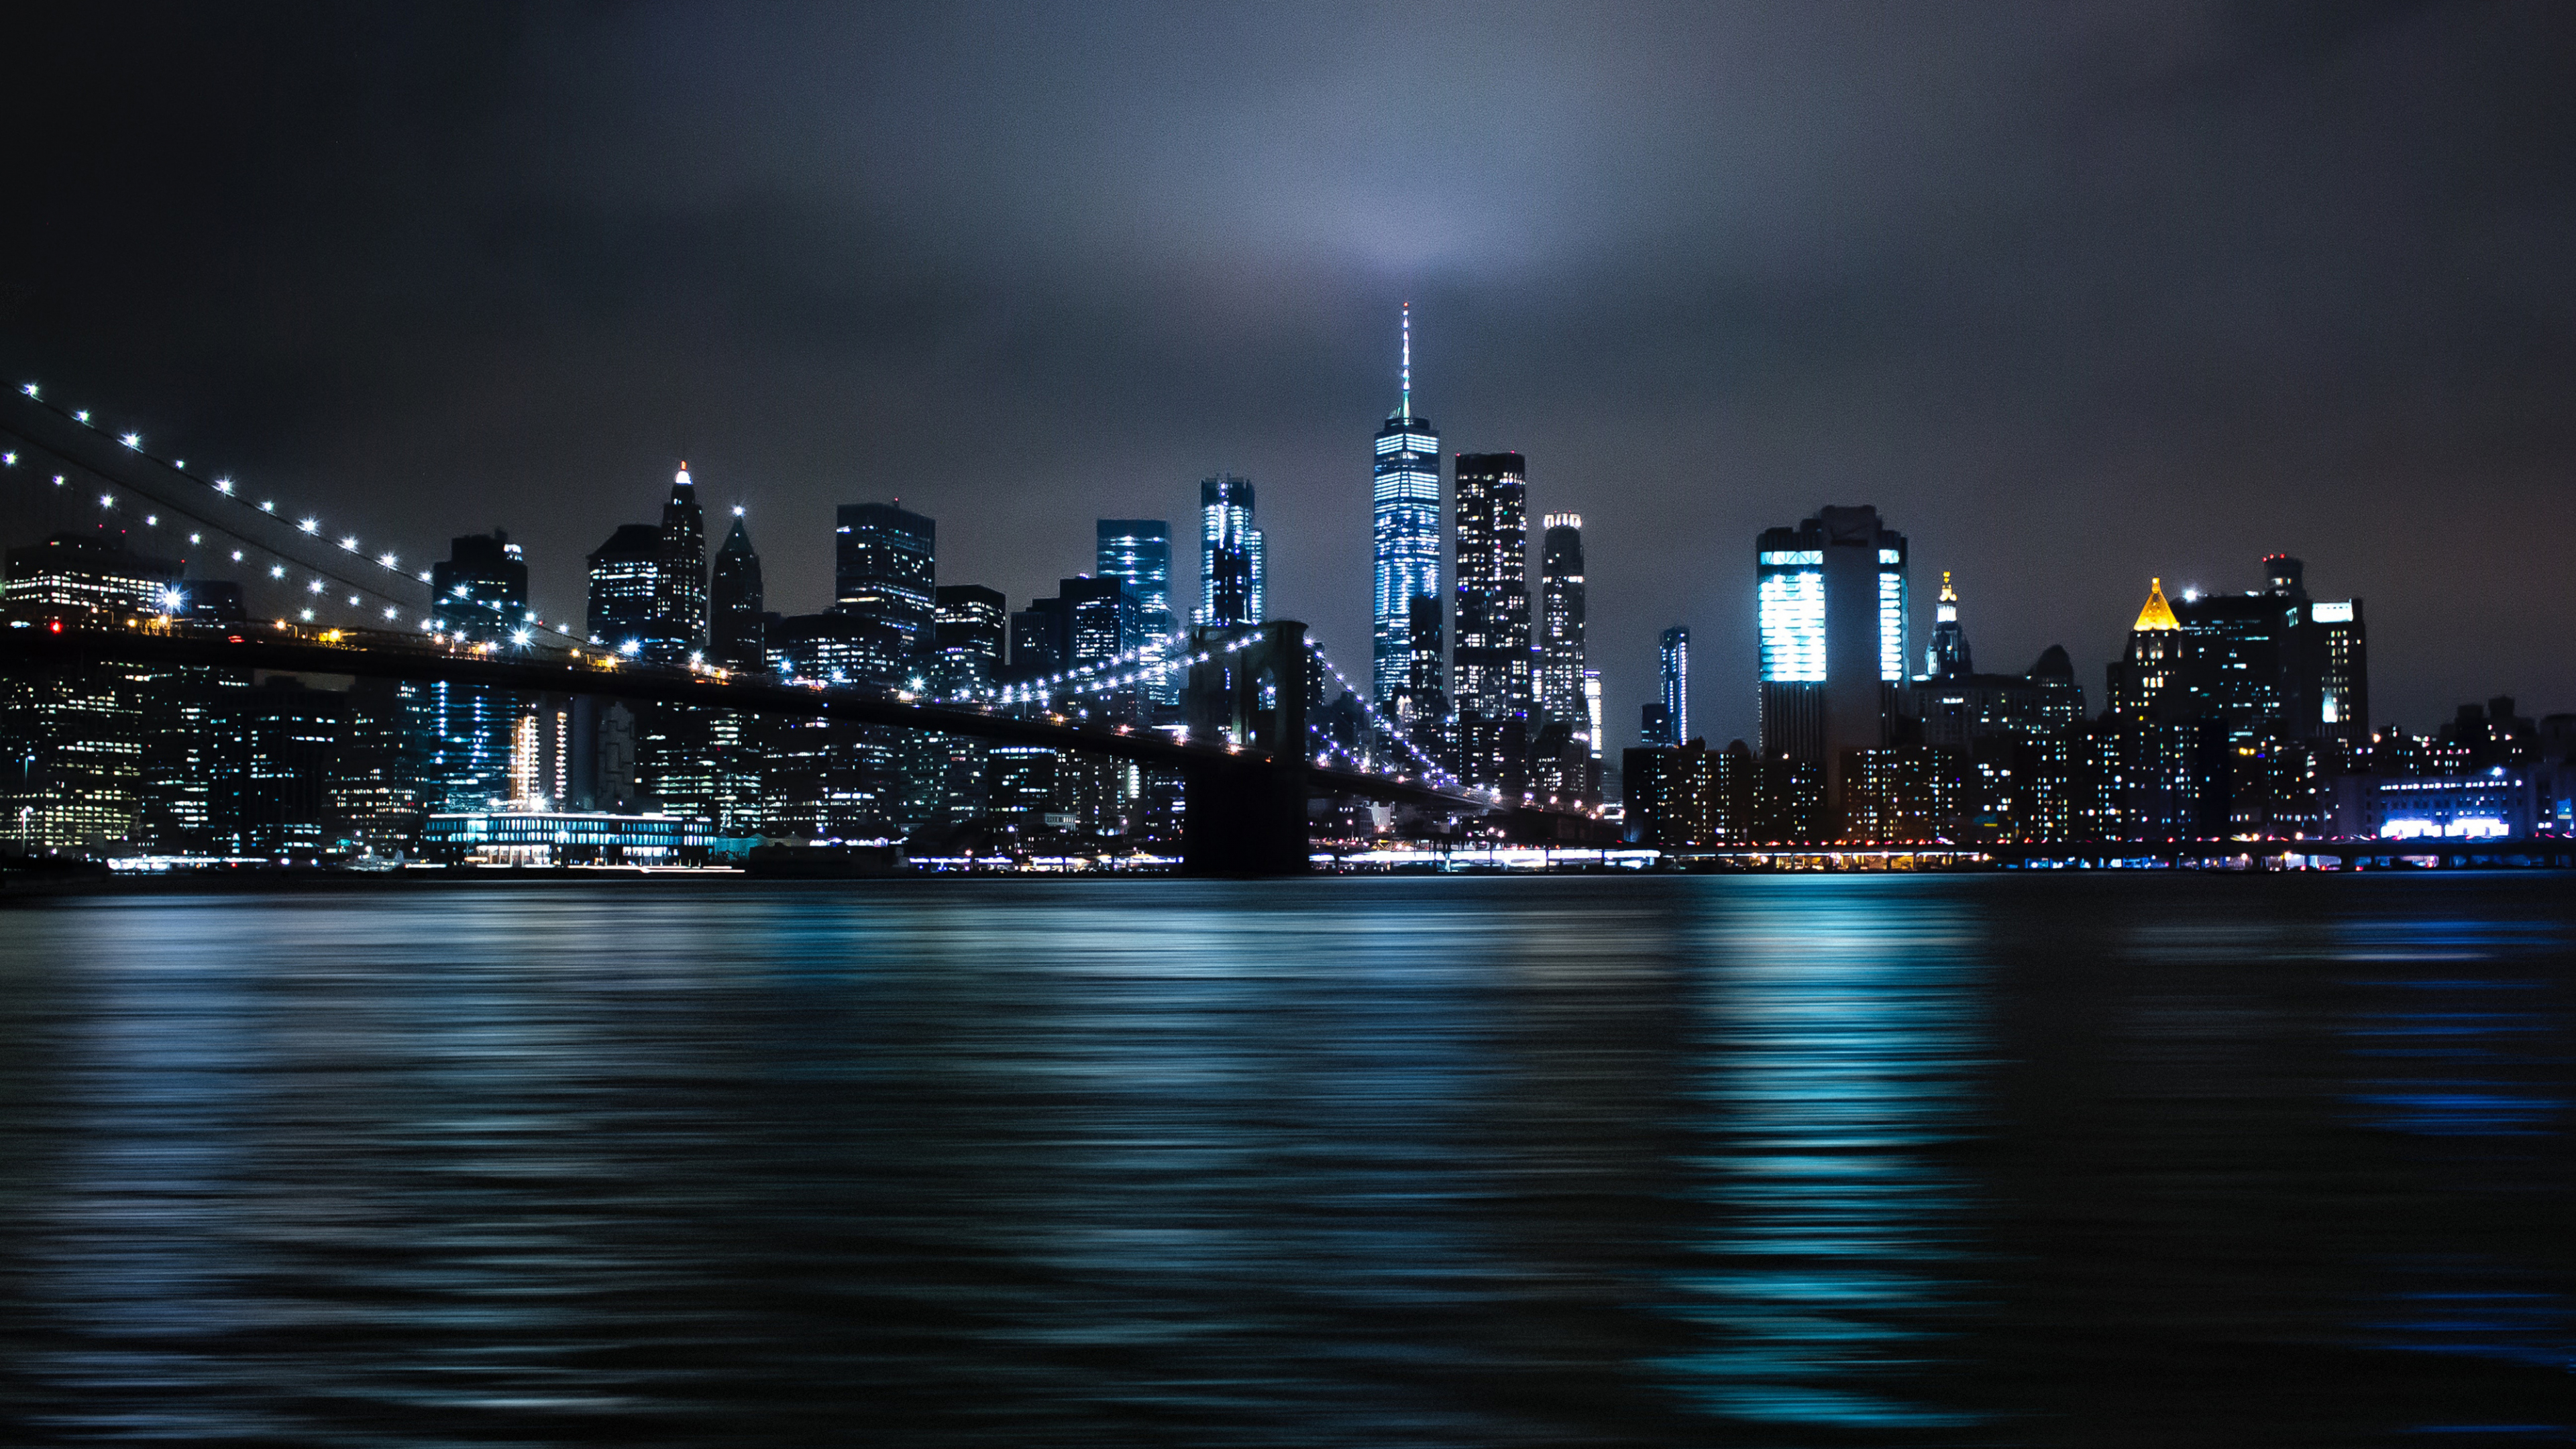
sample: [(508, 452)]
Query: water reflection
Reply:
[(1838, 1041), (1464, 1162), (2460, 1052)]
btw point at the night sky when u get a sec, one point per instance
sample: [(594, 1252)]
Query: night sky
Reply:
[(2076, 294)]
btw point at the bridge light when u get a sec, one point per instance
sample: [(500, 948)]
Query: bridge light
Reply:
[(80, 417), (132, 440), (11, 459), (390, 611), (350, 543), (268, 506), (311, 525), (277, 571), (308, 616), (28, 388), (519, 636), (314, 587), (223, 485), (173, 601), (104, 501), (386, 560), (152, 520)]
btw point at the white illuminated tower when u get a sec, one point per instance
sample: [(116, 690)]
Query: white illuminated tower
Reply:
[(1407, 534)]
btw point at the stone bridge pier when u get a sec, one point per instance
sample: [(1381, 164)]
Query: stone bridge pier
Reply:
[(1246, 814)]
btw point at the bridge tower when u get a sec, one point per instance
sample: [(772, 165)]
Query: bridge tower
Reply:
[(1247, 813)]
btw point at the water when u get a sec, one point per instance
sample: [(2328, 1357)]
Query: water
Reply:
[(1734, 1160)]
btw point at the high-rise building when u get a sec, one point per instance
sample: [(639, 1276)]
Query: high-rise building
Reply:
[(1232, 559), (1139, 551), (735, 604), (1492, 673), (2267, 665), (481, 589), (1672, 661), (1947, 655), (1099, 619), (1406, 536), (884, 567), (1831, 597), (1560, 680), (680, 586), (626, 592), (972, 629), (1422, 708)]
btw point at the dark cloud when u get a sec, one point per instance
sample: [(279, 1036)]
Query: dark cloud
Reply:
[(2075, 294)]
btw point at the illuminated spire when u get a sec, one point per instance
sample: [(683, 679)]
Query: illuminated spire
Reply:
[(2157, 614), (1404, 409), (1948, 612), (681, 479)]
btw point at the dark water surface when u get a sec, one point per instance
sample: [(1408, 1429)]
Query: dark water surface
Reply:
[(1780, 1161)]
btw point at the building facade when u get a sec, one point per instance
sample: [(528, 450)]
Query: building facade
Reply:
[(680, 584), (1233, 557), (885, 567), (1492, 664), (1405, 533), (736, 604), (1832, 607), (626, 592)]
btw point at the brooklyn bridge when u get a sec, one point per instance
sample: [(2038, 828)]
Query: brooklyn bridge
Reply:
[(1246, 754)]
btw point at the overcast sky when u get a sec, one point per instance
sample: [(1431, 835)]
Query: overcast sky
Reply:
[(2075, 294)]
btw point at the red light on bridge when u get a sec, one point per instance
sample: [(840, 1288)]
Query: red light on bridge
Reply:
[(56, 626)]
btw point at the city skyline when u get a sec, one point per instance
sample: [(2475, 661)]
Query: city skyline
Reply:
[(1700, 297)]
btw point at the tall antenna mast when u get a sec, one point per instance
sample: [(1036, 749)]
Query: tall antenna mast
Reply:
[(1405, 410)]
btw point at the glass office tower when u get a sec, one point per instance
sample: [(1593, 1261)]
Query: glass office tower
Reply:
[(1406, 503), (1231, 555), (885, 567)]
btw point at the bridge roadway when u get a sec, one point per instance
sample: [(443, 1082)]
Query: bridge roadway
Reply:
[(380, 655)]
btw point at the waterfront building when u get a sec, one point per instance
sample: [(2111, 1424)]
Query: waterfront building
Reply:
[(736, 604), (885, 568), (1491, 664), (479, 592), (534, 837), (680, 581), (1406, 538), (1233, 557), (626, 589), (1831, 601)]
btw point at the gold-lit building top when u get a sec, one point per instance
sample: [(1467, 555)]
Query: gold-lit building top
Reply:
[(2157, 614)]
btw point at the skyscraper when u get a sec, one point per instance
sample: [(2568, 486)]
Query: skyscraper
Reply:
[(1492, 675), (1138, 551), (1406, 535), (735, 601), (481, 588), (680, 584), (625, 588), (1423, 706), (1830, 594), (972, 624), (1946, 656), (1672, 658), (1560, 678), (1231, 553), (884, 567)]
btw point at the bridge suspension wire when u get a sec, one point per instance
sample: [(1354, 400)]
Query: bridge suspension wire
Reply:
[(213, 503), (1431, 768)]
